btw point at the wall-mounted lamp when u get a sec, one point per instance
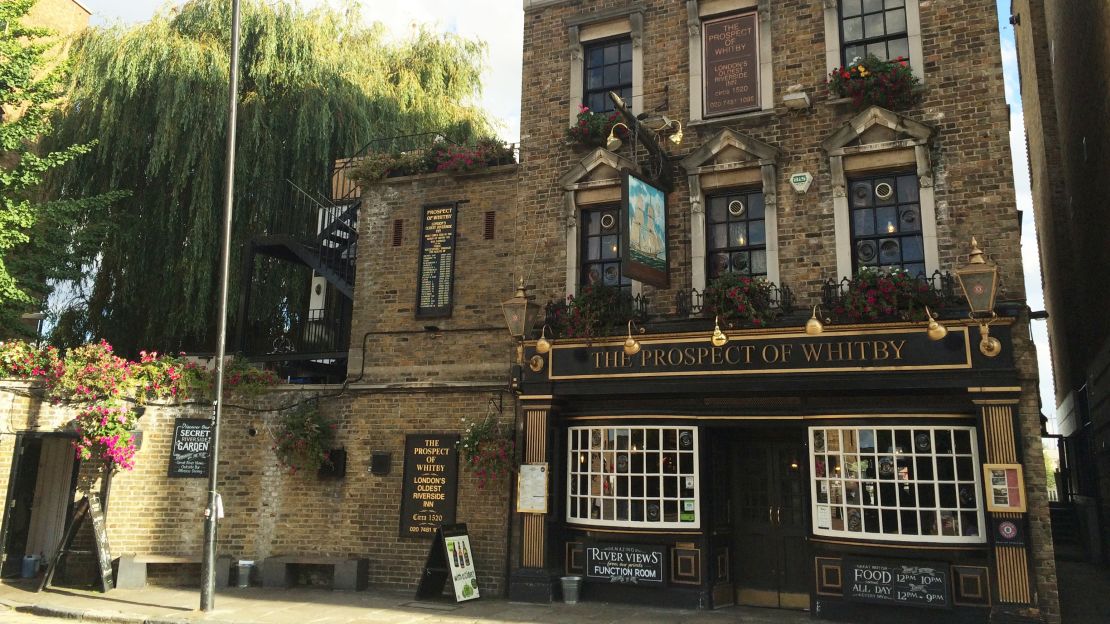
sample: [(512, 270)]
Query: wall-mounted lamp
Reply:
[(631, 345), (543, 345), (814, 327), (613, 143), (935, 330), (719, 338), (979, 282)]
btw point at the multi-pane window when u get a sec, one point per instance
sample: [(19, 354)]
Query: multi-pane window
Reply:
[(897, 483), (886, 223), (633, 476), (876, 27), (601, 248), (608, 68), (737, 234)]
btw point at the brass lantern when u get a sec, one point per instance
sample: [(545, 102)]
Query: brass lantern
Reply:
[(520, 312), (979, 281)]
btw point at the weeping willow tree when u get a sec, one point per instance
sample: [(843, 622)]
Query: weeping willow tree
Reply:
[(315, 85)]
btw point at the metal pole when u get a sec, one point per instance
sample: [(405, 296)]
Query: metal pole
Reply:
[(208, 569)]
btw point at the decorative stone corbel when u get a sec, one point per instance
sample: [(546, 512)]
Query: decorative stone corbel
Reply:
[(697, 205), (575, 44), (693, 20), (836, 170), (636, 21), (924, 167)]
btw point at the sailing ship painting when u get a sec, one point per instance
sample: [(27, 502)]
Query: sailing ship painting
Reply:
[(647, 230)]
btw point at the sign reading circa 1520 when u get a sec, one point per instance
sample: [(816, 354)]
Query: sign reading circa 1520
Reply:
[(430, 483), (897, 349)]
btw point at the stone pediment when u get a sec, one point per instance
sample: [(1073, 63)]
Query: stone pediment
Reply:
[(599, 167), (877, 128), (729, 149)]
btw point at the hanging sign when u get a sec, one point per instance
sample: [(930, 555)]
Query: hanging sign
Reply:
[(449, 557), (916, 583), (644, 236), (192, 438), (430, 484), (634, 564), (436, 278)]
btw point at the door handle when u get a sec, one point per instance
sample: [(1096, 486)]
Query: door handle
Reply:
[(778, 516), (770, 515)]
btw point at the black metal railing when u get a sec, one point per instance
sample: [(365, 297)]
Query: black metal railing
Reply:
[(937, 291), (692, 302), (314, 332), (600, 312)]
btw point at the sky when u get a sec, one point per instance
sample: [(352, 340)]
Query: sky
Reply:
[(500, 23)]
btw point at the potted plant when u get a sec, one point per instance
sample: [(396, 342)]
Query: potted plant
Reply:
[(741, 299), (595, 311), (871, 81), (486, 450), (592, 129), (890, 294)]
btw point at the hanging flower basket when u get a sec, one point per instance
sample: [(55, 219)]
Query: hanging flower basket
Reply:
[(304, 439), (745, 300), (592, 129), (870, 81), (487, 451)]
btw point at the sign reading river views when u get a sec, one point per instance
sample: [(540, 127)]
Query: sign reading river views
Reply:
[(635, 564)]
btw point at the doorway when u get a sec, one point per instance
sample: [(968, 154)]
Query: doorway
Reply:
[(41, 487), (771, 508)]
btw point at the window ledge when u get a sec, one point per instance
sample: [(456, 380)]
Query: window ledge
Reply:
[(754, 116)]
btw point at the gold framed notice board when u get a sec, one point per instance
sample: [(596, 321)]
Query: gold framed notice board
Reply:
[(1004, 487)]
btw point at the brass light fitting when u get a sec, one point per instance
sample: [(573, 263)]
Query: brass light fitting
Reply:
[(631, 345), (935, 330), (814, 327), (613, 143), (979, 282), (988, 345), (720, 338), (543, 345)]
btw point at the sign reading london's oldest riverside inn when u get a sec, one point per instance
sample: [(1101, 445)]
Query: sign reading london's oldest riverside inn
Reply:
[(430, 483), (636, 564), (437, 261), (895, 349), (730, 64), (892, 582), (192, 438)]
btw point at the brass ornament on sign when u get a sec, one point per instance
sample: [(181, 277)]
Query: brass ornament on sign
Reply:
[(535, 363)]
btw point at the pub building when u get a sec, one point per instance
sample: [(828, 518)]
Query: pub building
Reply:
[(872, 466)]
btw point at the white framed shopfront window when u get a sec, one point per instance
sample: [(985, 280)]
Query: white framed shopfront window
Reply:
[(897, 483), (633, 477)]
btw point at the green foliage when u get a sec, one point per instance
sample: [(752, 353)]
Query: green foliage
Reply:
[(486, 450), (740, 298), (30, 88), (105, 433), (869, 80), (486, 152), (876, 295), (315, 85), (592, 129), (304, 439), (241, 375), (597, 310), (22, 360)]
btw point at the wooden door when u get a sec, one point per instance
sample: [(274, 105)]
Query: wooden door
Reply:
[(770, 490)]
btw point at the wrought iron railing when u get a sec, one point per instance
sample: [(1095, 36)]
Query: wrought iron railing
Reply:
[(601, 313), (316, 331), (938, 290), (692, 302)]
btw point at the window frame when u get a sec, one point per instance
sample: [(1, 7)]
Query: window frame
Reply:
[(710, 251), (874, 177), (624, 283), (866, 41), (834, 52), (979, 508), (620, 41), (577, 433)]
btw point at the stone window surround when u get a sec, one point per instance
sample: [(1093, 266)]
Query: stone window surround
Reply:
[(759, 172), (913, 32), (578, 193), (911, 152), (697, 10), (602, 25)]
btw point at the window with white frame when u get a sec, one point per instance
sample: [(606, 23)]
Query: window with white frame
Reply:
[(633, 476), (897, 483)]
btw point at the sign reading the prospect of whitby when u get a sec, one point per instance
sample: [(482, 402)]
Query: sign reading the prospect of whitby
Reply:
[(633, 564), (192, 438), (730, 64), (876, 350), (437, 261), (914, 583), (430, 484)]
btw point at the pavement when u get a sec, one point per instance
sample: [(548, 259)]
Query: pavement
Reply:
[(255, 605)]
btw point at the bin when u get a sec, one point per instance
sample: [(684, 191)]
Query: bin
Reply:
[(244, 573), (30, 566), (571, 586)]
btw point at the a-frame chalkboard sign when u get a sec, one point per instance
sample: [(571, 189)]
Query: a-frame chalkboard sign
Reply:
[(449, 557), (88, 507)]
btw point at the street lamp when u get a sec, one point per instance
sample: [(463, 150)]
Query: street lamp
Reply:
[(979, 282), (520, 316)]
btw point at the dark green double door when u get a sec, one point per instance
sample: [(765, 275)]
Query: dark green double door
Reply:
[(771, 563)]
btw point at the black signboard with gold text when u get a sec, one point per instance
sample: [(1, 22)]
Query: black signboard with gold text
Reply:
[(436, 272), (430, 484), (916, 583), (730, 64)]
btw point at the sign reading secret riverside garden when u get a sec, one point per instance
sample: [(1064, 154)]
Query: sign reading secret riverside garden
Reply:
[(636, 564), (730, 64), (899, 349), (914, 583), (430, 483), (192, 438), (437, 261)]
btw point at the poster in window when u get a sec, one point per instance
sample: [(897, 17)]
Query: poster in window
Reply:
[(1005, 487), (644, 244)]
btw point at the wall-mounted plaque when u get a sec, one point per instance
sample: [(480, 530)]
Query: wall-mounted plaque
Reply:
[(531, 488), (634, 564), (644, 237), (436, 272), (192, 439), (730, 62), (430, 483), (916, 583), (1005, 487)]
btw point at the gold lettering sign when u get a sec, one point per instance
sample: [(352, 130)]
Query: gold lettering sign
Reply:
[(430, 483), (730, 65)]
